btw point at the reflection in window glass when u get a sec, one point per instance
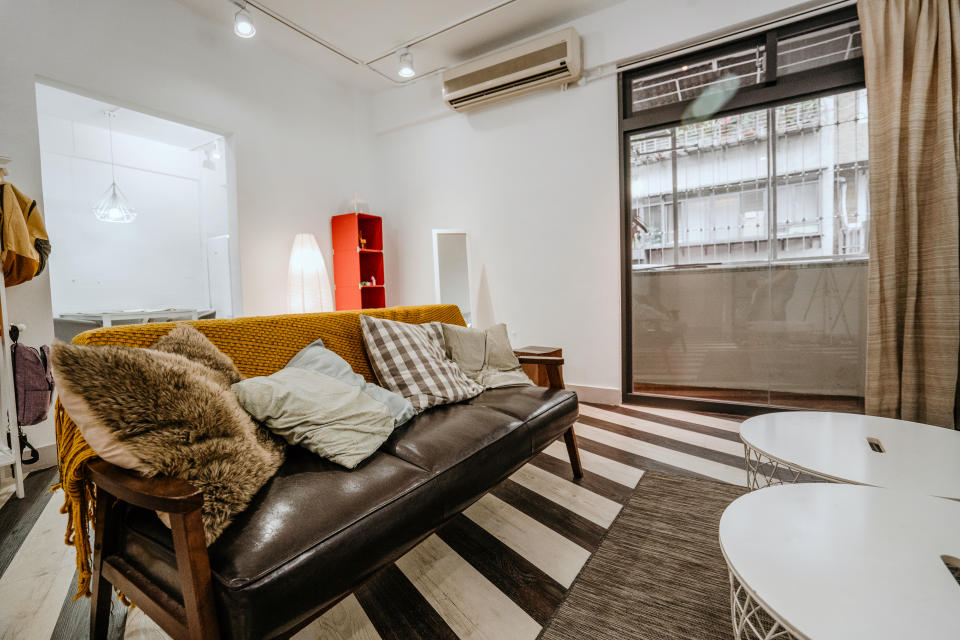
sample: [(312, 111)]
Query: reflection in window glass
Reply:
[(819, 48), (687, 81), (718, 172)]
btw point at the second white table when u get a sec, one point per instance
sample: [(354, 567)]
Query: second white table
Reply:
[(842, 562), (852, 448)]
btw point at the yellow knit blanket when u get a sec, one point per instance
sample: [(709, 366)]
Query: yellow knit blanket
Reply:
[(72, 453), (258, 346)]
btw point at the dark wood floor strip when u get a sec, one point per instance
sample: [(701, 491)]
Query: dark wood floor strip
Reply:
[(724, 416), (634, 460), (669, 443), (662, 441), (398, 611), (534, 591), (672, 422), (570, 525), (74, 619), (596, 483), (18, 515)]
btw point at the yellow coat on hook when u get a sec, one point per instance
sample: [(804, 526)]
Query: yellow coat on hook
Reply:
[(23, 234)]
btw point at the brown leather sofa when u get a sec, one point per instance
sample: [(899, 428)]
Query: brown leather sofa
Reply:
[(316, 531)]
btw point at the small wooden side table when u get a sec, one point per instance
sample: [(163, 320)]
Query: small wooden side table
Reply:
[(538, 372)]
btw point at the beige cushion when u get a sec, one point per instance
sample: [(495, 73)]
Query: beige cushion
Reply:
[(163, 414), (486, 357)]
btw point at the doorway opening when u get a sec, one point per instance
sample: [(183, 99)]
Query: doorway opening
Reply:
[(451, 270), (139, 212)]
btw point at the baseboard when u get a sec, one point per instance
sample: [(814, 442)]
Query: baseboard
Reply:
[(597, 395), (48, 458)]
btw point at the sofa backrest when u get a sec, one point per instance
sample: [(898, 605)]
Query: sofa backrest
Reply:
[(261, 345)]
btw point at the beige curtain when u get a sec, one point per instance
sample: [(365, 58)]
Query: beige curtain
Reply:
[(911, 53)]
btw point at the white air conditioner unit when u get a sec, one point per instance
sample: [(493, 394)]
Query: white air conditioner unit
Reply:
[(548, 61)]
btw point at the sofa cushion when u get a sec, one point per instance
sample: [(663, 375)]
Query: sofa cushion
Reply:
[(307, 501), (327, 416), (486, 357), (316, 357), (546, 412), (319, 403), (410, 359), (444, 436), (186, 341)]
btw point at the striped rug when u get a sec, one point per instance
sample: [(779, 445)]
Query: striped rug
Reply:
[(499, 571)]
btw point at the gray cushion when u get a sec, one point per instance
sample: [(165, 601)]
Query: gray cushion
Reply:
[(486, 357), (318, 402), (316, 357)]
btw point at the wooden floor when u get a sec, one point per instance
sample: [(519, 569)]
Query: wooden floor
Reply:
[(498, 571)]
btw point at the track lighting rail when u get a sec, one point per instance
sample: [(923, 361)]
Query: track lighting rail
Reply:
[(270, 13)]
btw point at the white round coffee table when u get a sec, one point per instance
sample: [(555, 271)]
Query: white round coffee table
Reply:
[(842, 562), (852, 448)]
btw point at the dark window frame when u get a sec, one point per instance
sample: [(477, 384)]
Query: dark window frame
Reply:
[(776, 90)]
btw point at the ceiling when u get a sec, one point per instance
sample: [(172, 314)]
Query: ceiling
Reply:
[(71, 106), (368, 32)]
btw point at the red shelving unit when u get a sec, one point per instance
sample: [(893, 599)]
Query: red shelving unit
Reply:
[(356, 261)]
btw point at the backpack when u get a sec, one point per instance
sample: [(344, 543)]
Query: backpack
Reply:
[(33, 388)]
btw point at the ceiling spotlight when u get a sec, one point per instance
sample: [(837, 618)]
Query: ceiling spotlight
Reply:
[(405, 70), (243, 25)]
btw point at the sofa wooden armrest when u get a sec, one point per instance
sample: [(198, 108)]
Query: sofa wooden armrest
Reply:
[(552, 366), (196, 619), (544, 360), (157, 494)]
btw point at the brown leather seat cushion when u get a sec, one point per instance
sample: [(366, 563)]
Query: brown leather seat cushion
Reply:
[(537, 407), (317, 530), (445, 436)]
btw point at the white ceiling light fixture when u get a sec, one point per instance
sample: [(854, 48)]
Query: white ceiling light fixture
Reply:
[(242, 23), (405, 70), (113, 205)]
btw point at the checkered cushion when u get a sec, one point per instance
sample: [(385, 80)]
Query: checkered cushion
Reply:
[(410, 360)]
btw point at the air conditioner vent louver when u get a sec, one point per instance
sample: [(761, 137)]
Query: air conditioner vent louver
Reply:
[(562, 70), (551, 60)]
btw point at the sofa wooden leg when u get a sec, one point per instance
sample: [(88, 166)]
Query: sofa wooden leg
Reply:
[(193, 565), (571, 439), (103, 544)]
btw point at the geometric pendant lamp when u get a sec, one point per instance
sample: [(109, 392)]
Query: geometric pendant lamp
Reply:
[(113, 205)]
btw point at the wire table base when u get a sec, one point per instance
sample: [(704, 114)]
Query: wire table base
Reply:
[(766, 472), (750, 620)]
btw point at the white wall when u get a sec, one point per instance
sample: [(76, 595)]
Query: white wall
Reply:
[(534, 181), (296, 136)]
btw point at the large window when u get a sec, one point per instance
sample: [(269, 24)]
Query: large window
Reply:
[(728, 209), (746, 218)]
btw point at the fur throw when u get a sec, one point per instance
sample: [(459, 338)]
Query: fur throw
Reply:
[(177, 417), (193, 345), (190, 343)]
